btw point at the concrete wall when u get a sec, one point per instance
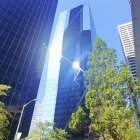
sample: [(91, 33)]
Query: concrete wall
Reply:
[(135, 8)]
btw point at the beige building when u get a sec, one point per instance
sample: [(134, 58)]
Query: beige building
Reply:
[(127, 40)]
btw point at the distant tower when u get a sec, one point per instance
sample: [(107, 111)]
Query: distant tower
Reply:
[(127, 40)]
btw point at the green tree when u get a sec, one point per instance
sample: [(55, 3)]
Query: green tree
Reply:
[(77, 120), (45, 131), (108, 86), (3, 113)]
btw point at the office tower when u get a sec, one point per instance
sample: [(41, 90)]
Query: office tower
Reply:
[(135, 10), (127, 40), (25, 28), (77, 43), (71, 39)]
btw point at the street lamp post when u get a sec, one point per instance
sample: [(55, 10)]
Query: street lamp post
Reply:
[(16, 138)]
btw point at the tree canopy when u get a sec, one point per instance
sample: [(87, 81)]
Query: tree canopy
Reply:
[(108, 87), (45, 131)]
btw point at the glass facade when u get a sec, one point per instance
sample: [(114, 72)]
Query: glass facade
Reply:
[(77, 43), (25, 28), (45, 107), (61, 88)]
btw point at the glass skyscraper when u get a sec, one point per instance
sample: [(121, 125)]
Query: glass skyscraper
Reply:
[(25, 29), (61, 87), (77, 43)]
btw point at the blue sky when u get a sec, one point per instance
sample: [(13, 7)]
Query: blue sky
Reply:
[(108, 14)]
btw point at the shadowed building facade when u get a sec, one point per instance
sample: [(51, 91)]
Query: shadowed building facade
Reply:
[(25, 28)]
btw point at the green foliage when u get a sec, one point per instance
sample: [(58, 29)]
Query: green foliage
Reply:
[(3, 113), (108, 86), (3, 89), (45, 131), (77, 120)]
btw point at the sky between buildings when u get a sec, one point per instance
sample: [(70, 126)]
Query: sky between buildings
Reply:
[(108, 14)]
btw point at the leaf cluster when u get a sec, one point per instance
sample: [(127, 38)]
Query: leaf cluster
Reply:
[(77, 120), (3, 113), (45, 131), (4, 89)]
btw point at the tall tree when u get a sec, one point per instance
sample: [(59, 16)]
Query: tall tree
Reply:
[(108, 86), (45, 131), (3, 113)]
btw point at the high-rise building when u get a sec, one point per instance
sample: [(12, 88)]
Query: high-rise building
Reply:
[(61, 87), (127, 40), (25, 29), (135, 10)]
